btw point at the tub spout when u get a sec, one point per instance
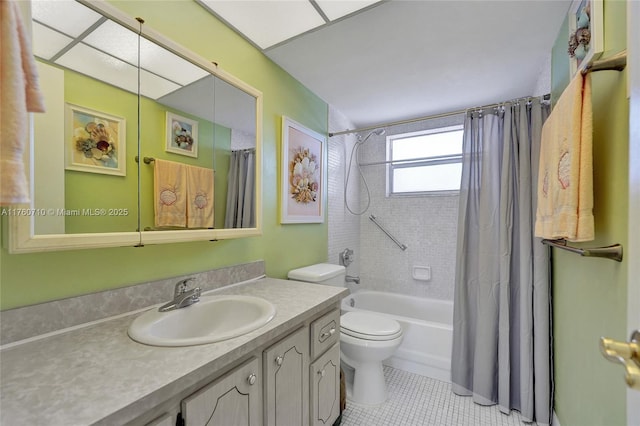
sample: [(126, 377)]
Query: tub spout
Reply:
[(352, 279)]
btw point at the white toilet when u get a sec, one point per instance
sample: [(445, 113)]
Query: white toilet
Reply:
[(366, 339)]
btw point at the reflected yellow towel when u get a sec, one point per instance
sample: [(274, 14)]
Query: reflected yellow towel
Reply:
[(200, 197), (19, 93), (170, 194), (565, 182)]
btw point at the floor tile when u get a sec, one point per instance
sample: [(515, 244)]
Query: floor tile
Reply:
[(418, 400)]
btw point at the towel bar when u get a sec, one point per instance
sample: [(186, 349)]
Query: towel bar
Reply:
[(613, 252), (617, 62), (146, 160)]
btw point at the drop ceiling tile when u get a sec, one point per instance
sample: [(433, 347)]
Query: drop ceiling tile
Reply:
[(154, 86), (335, 9), (47, 42), (267, 22), (89, 61), (115, 40), (66, 16), (122, 43)]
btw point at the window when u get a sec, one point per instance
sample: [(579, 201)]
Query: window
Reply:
[(426, 162)]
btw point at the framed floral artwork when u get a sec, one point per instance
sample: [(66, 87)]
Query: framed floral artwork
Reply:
[(303, 187), (586, 40), (182, 135), (95, 141)]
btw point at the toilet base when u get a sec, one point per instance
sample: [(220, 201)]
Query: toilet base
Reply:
[(366, 384)]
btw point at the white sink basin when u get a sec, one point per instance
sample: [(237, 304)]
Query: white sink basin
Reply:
[(212, 319)]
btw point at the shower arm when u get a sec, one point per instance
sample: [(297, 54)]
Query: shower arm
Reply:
[(382, 228)]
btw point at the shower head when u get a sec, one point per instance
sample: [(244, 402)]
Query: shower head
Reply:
[(378, 132)]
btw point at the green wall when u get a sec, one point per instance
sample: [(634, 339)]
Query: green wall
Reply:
[(31, 278), (590, 295), (94, 191)]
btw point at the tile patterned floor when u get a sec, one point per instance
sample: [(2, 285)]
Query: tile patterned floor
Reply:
[(417, 400)]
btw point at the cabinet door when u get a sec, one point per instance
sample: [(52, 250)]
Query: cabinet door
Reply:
[(325, 387), (232, 400), (286, 380)]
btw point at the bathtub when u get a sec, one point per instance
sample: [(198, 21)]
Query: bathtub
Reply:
[(427, 327)]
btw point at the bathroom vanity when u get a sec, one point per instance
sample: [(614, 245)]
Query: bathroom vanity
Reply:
[(286, 372)]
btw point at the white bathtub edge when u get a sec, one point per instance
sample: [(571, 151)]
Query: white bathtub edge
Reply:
[(408, 363)]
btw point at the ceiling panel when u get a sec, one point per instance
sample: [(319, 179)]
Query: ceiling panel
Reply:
[(337, 9), (67, 16), (267, 23)]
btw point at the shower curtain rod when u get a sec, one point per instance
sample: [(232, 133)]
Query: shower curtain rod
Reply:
[(430, 117)]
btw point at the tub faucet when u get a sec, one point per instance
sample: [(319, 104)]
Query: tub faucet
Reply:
[(182, 296), (352, 279)]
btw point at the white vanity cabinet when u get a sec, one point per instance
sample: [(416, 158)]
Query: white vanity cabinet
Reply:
[(286, 381), (324, 372), (293, 380), (302, 375), (261, 378), (325, 388), (233, 399)]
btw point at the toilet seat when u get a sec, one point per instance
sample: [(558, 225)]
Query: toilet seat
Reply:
[(367, 326)]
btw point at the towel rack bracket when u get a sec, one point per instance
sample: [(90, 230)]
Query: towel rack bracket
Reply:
[(613, 252)]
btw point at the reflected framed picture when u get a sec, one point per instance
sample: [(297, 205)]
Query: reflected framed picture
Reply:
[(586, 33), (95, 141), (181, 135), (303, 187)]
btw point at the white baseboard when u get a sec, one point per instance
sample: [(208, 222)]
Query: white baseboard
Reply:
[(554, 420)]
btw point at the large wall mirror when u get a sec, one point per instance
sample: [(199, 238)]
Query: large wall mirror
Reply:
[(143, 141)]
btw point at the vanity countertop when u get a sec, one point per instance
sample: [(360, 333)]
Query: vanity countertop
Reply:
[(98, 375)]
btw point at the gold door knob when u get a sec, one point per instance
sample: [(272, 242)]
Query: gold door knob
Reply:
[(625, 353)]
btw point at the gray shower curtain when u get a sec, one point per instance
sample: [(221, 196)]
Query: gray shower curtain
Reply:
[(502, 303), (241, 190)]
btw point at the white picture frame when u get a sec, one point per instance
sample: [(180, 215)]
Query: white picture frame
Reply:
[(303, 186)]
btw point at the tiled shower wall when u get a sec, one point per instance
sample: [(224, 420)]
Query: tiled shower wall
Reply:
[(344, 228), (427, 225)]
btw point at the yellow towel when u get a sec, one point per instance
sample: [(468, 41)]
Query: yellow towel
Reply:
[(565, 182), (200, 197), (170, 194), (19, 93)]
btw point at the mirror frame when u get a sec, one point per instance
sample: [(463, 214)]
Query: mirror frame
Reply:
[(22, 238)]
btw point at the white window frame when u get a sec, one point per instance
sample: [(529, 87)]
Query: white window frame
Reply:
[(419, 162)]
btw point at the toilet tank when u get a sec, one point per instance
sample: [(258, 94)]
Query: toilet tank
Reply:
[(320, 273)]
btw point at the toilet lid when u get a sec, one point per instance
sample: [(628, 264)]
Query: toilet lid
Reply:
[(369, 326)]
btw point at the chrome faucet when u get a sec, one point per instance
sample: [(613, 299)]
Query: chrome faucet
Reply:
[(351, 279), (182, 296)]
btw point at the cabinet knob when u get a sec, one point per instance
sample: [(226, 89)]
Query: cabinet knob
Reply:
[(321, 373), (251, 379), (328, 334), (279, 360)]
